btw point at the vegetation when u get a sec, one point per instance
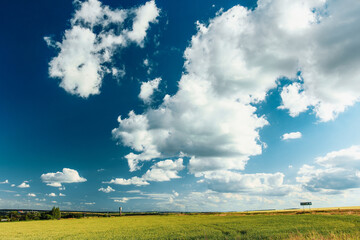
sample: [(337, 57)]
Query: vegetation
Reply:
[(55, 212), (191, 226), (15, 216)]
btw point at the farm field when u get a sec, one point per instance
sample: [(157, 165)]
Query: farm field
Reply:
[(192, 226)]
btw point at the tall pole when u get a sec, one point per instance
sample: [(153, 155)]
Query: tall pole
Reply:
[(120, 211)]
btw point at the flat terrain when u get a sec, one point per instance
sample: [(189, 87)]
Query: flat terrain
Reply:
[(326, 225)]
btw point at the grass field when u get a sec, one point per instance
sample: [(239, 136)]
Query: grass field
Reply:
[(197, 226)]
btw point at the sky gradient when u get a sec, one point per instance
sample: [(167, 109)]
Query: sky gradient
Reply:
[(179, 106)]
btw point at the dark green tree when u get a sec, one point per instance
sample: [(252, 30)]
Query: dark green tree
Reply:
[(55, 212)]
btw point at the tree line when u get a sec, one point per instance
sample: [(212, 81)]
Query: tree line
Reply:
[(55, 213), (33, 215)]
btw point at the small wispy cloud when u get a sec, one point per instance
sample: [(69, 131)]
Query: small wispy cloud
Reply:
[(292, 135), (125, 199), (133, 191), (25, 184), (106, 190), (122, 200)]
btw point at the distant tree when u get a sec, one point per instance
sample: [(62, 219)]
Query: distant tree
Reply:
[(32, 216), (25, 217), (14, 216), (36, 216), (55, 212), (45, 216)]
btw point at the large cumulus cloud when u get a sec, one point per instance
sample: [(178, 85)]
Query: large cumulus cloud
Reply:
[(253, 184), (335, 172), (87, 47), (231, 63)]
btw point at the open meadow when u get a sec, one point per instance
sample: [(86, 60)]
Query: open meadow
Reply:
[(275, 225)]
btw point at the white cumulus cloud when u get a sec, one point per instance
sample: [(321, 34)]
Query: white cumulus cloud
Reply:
[(231, 63), (66, 176), (334, 172), (132, 181), (147, 89), (210, 118), (348, 157), (76, 65), (160, 172), (145, 15), (330, 79), (292, 135), (294, 99), (258, 183), (31, 194), (85, 50), (24, 184), (164, 170), (106, 190)]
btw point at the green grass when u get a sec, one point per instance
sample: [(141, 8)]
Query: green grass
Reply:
[(189, 227)]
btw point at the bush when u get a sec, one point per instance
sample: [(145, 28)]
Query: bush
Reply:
[(32, 216), (45, 216), (72, 215), (14, 216)]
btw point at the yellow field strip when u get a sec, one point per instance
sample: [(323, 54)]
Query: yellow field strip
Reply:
[(306, 209)]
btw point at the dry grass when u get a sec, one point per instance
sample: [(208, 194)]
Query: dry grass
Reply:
[(317, 236), (322, 211)]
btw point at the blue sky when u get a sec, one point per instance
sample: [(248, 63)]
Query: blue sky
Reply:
[(180, 106)]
